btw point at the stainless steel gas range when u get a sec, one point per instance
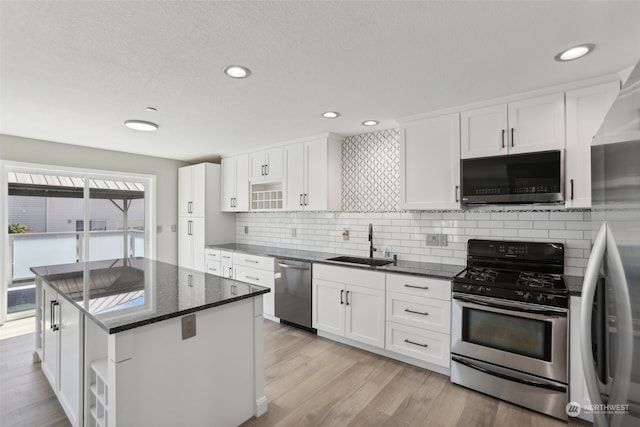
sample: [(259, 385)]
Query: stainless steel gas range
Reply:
[(509, 329)]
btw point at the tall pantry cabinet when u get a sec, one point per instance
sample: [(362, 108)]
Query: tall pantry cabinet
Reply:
[(200, 219)]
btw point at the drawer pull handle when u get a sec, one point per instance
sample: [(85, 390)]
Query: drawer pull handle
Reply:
[(226, 257), (416, 343), (416, 312), (416, 287), (252, 260), (252, 278)]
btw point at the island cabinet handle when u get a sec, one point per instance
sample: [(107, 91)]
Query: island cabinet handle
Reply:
[(416, 312), (190, 280), (416, 343), (54, 318), (252, 278), (426, 288), (230, 272)]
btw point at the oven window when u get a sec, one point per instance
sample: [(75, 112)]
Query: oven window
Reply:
[(514, 334)]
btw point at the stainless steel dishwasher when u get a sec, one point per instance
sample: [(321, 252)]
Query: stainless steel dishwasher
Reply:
[(293, 292)]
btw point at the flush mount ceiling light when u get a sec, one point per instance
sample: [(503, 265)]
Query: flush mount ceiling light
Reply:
[(370, 123), (141, 125), (237, 71), (151, 109), (575, 52), (330, 114)]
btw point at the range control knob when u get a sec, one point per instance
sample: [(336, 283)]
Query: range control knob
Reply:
[(541, 298), (481, 289), (527, 296), (468, 288)]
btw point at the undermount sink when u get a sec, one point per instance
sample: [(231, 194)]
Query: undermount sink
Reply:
[(374, 262)]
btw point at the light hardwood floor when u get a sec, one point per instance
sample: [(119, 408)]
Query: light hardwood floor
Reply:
[(310, 381)]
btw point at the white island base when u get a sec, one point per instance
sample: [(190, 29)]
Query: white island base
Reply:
[(212, 379), (150, 376)]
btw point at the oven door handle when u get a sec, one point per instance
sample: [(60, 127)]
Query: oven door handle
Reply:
[(509, 378), (504, 305)]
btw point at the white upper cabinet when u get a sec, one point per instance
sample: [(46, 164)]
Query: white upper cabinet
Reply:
[(235, 183), (586, 109), (313, 175), (267, 165), (191, 192), (430, 163), (484, 132), (529, 125)]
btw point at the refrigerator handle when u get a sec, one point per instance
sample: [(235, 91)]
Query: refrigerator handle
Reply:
[(622, 375), (588, 294)]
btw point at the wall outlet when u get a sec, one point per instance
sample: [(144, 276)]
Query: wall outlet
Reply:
[(246, 229), (432, 239), (442, 240), (188, 326), (294, 232)]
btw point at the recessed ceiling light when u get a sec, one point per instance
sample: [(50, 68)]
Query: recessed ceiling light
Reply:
[(370, 123), (141, 125), (237, 71), (330, 114), (575, 52)]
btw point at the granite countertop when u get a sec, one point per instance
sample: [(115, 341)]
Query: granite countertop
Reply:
[(123, 294), (438, 271)]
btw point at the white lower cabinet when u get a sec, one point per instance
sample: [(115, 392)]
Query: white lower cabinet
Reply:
[(257, 270), (62, 330), (349, 302), (421, 344), (418, 313)]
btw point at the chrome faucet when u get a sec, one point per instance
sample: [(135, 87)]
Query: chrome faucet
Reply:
[(371, 248)]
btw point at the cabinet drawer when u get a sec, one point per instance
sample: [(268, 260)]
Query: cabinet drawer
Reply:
[(350, 276), (213, 267), (254, 276), (211, 255), (432, 347), (426, 313), (419, 286), (253, 261), (226, 257)]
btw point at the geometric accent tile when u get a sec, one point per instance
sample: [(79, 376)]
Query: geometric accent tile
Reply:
[(371, 172)]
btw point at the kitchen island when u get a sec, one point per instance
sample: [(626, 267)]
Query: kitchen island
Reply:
[(137, 342)]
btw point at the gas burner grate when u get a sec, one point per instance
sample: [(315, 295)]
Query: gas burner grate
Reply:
[(482, 274), (536, 280)]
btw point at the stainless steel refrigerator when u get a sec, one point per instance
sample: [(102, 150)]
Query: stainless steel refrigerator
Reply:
[(610, 311)]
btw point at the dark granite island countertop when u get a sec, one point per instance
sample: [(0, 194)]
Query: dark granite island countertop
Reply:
[(123, 341), (123, 294)]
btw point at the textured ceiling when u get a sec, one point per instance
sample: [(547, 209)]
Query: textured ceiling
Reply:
[(74, 71)]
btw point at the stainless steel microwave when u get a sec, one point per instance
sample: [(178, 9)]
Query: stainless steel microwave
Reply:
[(513, 179)]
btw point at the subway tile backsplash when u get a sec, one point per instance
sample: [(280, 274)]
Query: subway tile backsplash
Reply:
[(370, 194), (405, 233)]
